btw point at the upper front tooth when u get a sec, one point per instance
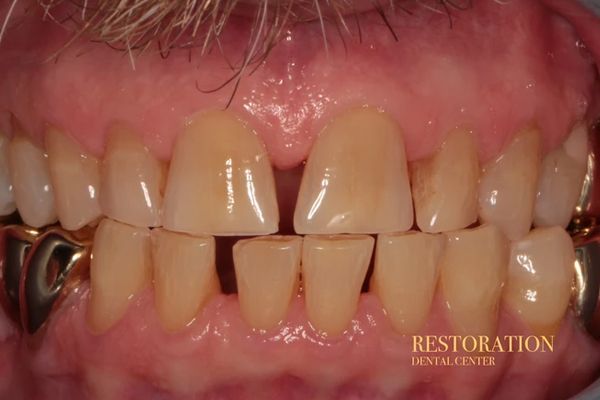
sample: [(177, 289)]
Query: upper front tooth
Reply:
[(76, 180), (132, 179), (540, 275), (185, 276), (356, 179), (561, 179), (445, 187), (34, 195), (121, 267), (220, 180), (333, 271), (405, 277), (473, 272), (7, 198), (267, 271), (508, 185)]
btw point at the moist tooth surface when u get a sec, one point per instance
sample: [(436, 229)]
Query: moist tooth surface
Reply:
[(220, 180), (406, 275), (267, 271), (185, 276), (7, 197), (132, 180), (355, 179), (76, 181)]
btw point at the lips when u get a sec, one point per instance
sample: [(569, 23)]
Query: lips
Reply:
[(476, 136)]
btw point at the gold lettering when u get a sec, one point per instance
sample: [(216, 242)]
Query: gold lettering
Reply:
[(417, 343)]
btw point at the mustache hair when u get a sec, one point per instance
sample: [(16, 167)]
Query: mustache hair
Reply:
[(136, 25)]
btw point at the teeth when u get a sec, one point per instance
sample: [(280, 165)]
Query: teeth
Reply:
[(445, 187), (120, 268), (561, 178), (333, 271), (508, 186), (356, 178), (7, 199), (185, 276), (473, 272), (267, 270), (75, 178), (132, 179), (405, 277), (33, 191), (540, 274), (220, 180)]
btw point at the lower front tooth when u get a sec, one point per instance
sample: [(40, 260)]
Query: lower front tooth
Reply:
[(561, 179), (33, 190), (185, 276), (540, 274), (120, 268), (473, 272), (267, 271), (333, 271), (405, 277)]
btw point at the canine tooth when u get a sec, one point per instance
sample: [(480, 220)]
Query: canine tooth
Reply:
[(120, 268), (131, 180), (220, 180), (356, 178), (185, 276), (76, 180), (473, 272), (560, 181), (405, 276), (7, 198), (444, 187), (34, 195), (267, 271), (540, 273), (509, 183), (333, 271)]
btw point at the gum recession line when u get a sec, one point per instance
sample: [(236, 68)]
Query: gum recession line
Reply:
[(218, 352)]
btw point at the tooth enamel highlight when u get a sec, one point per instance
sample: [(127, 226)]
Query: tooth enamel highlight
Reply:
[(185, 276), (7, 198), (333, 271), (561, 179), (509, 183), (356, 178), (445, 186), (405, 277), (76, 180), (34, 195), (540, 275), (220, 180), (267, 271), (132, 180), (120, 268), (473, 272)]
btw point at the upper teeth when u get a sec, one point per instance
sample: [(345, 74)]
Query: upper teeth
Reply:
[(356, 182)]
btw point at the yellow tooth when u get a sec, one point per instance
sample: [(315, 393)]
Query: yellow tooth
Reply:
[(445, 186), (473, 272), (7, 198), (356, 178), (540, 274), (120, 268), (267, 270), (185, 276), (76, 180), (33, 191), (508, 185), (333, 271), (131, 180), (405, 277), (220, 180), (561, 179)]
